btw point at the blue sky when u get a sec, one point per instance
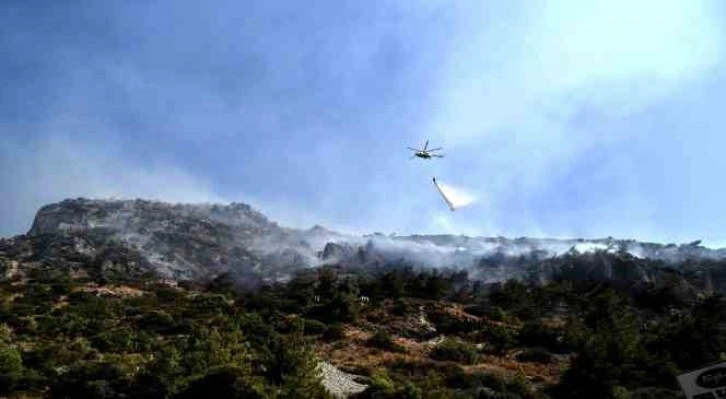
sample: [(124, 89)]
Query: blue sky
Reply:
[(565, 118)]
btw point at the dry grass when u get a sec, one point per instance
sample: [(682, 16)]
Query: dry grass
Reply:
[(111, 290), (353, 353)]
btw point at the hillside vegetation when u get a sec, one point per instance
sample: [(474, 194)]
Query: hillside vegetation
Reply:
[(407, 333)]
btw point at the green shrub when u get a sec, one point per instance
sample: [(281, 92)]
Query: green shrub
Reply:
[(335, 332), (462, 379), (499, 338), (494, 313), (117, 340), (225, 382), (654, 393), (381, 386), (536, 355), (477, 310), (537, 334), (383, 340), (158, 321), (11, 367), (314, 327), (455, 351), (451, 325)]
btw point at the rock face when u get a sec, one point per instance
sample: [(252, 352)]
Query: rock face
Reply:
[(134, 238)]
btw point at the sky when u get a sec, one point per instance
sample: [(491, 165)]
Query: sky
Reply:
[(563, 118)]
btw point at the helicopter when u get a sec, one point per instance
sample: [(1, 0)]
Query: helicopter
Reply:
[(425, 153)]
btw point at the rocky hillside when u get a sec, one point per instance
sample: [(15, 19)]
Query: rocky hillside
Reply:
[(169, 240), (131, 238)]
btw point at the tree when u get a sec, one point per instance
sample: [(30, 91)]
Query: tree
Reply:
[(224, 383), (91, 380), (392, 284), (11, 362), (608, 354), (294, 368), (695, 339), (207, 348), (11, 368), (436, 286)]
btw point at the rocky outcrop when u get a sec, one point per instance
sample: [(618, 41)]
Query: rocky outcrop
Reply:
[(177, 241), (337, 251), (339, 383), (97, 256)]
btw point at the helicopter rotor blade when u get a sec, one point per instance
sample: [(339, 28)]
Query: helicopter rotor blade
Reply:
[(435, 149), (413, 149), (426, 145)]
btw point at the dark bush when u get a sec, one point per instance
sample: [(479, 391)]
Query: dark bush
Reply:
[(117, 340), (477, 310), (228, 382), (499, 338), (463, 379), (402, 308), (535, 355), (158, 321), (417, 369), (90, 380), (383, 340), (455, 351), (314, 327), (537, 334), (334, 332), (655, 393)]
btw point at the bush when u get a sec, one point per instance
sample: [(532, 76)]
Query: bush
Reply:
[(402, 308), (118, 340), (451, 325), (463, 379), (90, 380), (455, 351), (314, 327), (158, 321), (10, 360), (537, 334), (11, 368), (382, 340), (479, 310), (335, 332), (536, 355), (226, 382), (499, 338), (490, 312), (655, 393), (424, 369)]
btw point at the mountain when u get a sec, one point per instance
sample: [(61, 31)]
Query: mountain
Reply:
[(175, 241), (134, 238)]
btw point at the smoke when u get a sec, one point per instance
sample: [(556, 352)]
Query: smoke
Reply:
[(510, 256)]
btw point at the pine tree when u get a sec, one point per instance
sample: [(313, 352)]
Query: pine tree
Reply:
[(298, 371)]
